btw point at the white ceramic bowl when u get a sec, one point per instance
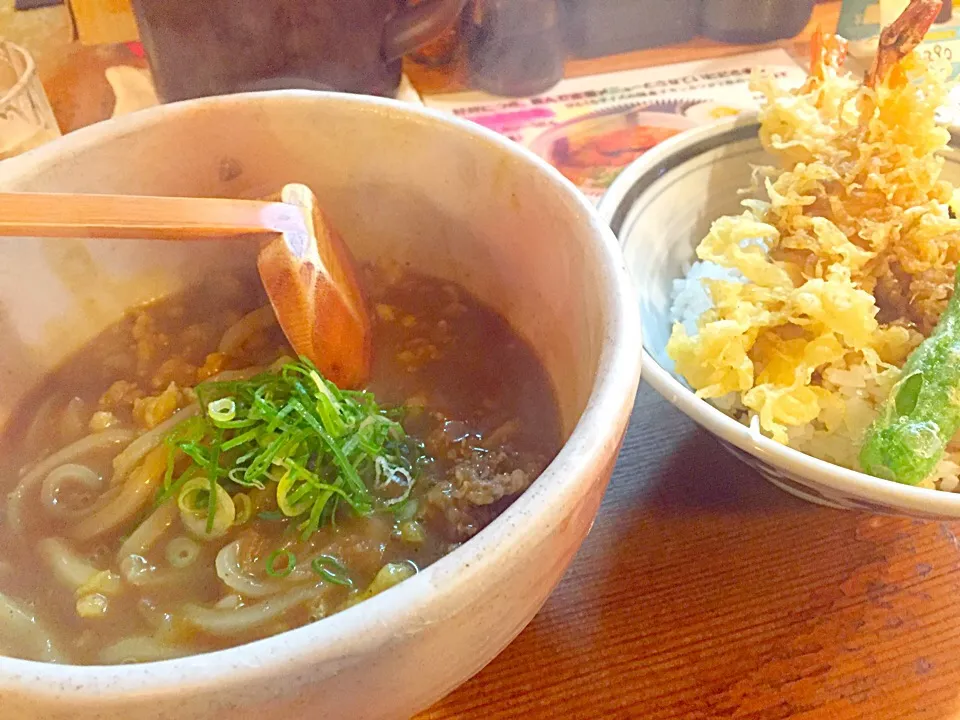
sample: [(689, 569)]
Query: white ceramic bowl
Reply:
[(451, 199), (661, 207)]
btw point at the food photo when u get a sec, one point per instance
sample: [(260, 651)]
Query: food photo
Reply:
[(445, 359)]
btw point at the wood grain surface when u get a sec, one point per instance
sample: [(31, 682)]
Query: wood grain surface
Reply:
[(705, 592)]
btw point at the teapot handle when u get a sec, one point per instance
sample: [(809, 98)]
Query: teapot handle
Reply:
[(415, 26)]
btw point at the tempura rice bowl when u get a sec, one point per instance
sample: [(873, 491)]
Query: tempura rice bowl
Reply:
[(661, 207)]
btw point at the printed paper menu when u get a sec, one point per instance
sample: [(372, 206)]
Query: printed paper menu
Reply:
[(590, 128)]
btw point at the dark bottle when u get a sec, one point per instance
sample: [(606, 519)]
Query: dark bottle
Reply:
[(606, 27), (754, 21), (946, 12), (215, 47), (514, 47), (441, 51)]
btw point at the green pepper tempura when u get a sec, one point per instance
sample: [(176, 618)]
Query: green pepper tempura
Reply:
[(922, 414)]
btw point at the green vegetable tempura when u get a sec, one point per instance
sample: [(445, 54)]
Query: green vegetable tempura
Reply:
[(922, 414)]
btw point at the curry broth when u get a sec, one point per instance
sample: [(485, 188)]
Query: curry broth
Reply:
[(476, 396)]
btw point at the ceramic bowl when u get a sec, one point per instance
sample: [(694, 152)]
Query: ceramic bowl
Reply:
[(446, 197), (661, 207)]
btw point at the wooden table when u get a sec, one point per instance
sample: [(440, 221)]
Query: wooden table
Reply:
[(702, 591), (705, 592)]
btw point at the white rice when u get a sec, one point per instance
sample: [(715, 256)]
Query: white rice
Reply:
[(690, 299)]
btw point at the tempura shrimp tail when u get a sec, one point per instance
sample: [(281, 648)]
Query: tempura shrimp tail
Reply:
[(900, 37), (826, 51)]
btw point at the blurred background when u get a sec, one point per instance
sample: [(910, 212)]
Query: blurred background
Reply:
[(588, 84)]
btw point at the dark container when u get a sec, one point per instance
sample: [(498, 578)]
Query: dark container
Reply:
[(595, 28), (441, 51), (946, 12), (754, 21), (514, 47), (198, 48)]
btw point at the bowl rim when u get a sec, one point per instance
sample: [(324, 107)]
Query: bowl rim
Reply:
[(618, 201), (348, 636)]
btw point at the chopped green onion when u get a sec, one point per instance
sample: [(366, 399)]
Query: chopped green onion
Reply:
[(389, 575), (323, 451), (222, 410), (331, 570), (182, 551), (193, 497), (195, 501), (289, 563), (289, 506), (244, 506), (236, 475), (239, 440)]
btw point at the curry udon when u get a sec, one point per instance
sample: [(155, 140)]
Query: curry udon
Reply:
[(184, 484)]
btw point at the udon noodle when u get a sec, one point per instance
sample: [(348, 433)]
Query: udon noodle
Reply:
[(185, 484)]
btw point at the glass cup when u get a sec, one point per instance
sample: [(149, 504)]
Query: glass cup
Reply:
[(26, 119)]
